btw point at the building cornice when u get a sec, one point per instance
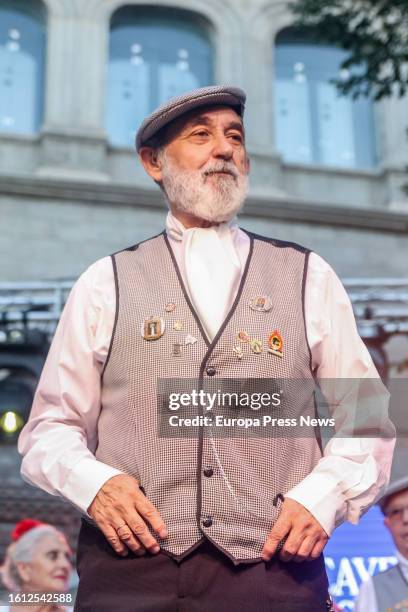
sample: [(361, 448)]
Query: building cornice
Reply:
[(282, 208)]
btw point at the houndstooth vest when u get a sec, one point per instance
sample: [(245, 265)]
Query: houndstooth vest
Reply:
[(228, 489), (391, 590)]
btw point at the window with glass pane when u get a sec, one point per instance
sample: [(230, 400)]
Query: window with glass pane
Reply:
[(22, 49), (155, 54), (314, 124)]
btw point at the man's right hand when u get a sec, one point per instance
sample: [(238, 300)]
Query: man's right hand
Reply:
[(121, 511)]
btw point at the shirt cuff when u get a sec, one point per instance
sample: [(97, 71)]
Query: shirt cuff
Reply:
[(320, 495), (84, 481)]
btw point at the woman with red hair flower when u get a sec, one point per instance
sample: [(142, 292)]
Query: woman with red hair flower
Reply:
[(37, 568)]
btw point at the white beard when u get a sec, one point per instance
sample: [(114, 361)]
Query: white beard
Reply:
[(216, 198)]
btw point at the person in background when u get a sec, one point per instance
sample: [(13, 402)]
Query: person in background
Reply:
[(38, 561), (388, 590)]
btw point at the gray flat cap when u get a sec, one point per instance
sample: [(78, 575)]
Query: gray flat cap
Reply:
[(175, 107), (394, 487)]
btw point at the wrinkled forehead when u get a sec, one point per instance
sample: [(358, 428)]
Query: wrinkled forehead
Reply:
[(55, 541), (204, 115)]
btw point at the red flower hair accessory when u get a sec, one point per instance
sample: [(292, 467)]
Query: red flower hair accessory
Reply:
[(23, 526)]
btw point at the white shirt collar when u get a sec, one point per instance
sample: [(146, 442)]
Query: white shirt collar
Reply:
[(176, 230)]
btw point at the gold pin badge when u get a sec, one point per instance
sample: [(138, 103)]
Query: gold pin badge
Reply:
[(153, 328), (275, 344), (178, 326), (243, 336), (238, 351), (170, 307), (261, 303), (256, 346)]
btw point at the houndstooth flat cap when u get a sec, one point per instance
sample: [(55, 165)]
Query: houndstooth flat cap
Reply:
[(175, 107)]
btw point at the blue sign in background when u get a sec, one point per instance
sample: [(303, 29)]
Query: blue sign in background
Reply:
[(356, 551)]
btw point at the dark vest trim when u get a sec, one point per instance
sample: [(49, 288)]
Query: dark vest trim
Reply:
[(280, 244), (305, 271), (184, 290), (179, 558), (134, 247), (201, 376), (230, 557), (233, 307), (115, 274)]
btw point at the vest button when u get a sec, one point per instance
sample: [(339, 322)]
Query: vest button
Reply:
[(208, 471), (211, 371), (207, 522)]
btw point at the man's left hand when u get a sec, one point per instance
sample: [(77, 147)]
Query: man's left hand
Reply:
[(306, 538)]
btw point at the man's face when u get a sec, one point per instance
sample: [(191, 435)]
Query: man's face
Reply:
[(396, 520), (205, 135), (204, 165)]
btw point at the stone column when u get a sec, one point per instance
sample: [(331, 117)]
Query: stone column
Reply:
[(73, 140), (261, 24)]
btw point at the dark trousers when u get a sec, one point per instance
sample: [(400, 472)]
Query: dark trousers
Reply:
[(205, 581)]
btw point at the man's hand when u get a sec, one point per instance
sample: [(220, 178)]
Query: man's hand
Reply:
[(121, 511), (306, 537)]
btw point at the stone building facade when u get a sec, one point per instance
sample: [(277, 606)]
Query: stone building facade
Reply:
[(68, 195)]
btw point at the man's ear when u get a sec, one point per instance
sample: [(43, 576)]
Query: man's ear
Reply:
[(149, 158)]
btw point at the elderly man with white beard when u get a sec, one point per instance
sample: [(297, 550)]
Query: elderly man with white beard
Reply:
[(193, 522)]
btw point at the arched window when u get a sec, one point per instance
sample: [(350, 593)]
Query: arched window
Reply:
[(22, 50), (314, 124), (155, 54)]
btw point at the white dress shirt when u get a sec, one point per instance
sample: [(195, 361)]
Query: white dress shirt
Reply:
[(367, 600), (60, 438)]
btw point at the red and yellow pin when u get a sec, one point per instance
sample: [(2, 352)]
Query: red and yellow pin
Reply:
[(275, 343)]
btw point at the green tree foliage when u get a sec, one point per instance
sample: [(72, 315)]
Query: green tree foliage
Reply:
[(375, 32)]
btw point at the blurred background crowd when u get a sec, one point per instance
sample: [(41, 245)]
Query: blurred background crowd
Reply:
[(327, 134)]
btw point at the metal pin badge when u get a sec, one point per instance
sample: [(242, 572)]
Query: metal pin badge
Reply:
[(243, 336), (176, 352), (152, 328), (170, 307), (256, 346), (190, 339), (261, 303), (275, 344), (238, 351)]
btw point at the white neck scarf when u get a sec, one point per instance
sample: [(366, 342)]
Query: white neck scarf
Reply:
[(212, 269)]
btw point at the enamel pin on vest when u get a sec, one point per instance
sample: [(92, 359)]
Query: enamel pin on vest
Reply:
[(176, 352), (238, 351), (190, 339), (153, 328), (256, 346), (243, 336), (275, 344), (261, 303)]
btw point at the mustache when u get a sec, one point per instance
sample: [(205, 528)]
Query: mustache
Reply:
[(221, 167)]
